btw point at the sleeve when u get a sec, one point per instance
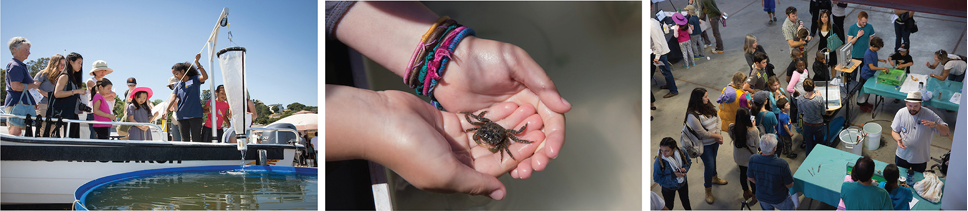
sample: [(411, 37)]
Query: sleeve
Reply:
[(793, 82), (936, 119), (688, 164), (15, 75), (787, 175), (896, 123), (696, 125), (335, 10), (658, 175), (871, 28), (749, 59), (788, 34), (129, 109)]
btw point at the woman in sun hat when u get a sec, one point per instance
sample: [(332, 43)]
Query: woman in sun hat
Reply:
[(139, 111), (99, 69)]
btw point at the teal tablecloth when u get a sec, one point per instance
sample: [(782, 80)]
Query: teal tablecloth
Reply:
[(947, 88), (824, 184)]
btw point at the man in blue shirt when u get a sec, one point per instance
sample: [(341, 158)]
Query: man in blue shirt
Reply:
[(867, 70), (771, 175), (859, 34), (18, 81)]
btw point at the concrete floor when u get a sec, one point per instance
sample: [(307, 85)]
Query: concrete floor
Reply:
[(592, 51), (747, 17)]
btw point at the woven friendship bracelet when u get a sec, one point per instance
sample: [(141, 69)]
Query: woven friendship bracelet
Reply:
[(424, 67), (417, 52), (443, 64), (422, 50)]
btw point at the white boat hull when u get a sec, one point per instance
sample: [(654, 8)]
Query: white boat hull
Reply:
[(48, 171)]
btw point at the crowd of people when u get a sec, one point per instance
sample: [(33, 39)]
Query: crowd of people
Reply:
[(760, 119), (63, 94)]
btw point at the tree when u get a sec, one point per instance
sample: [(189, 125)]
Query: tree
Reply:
[(295, 107), (205, 95), (119, 107), (156, 102), (32, 68), (263, 111)]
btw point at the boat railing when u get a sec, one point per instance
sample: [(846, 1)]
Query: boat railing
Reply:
[(68, 129)]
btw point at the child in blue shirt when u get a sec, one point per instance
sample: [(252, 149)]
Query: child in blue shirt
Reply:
[(868, 68), (901, 195), (783, 129)]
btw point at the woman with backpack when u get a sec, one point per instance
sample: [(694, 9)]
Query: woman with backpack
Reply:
[(745, 137), (702, 118), (669, 170)]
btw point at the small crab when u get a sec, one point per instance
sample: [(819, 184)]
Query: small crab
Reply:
[(493, 134)]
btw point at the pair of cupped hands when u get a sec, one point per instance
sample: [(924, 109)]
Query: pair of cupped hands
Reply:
[(433, 150)]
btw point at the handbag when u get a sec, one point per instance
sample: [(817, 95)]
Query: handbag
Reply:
[(690, 141), (834, 42), (21, 109)]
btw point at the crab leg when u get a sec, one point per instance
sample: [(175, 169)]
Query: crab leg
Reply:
[(519, 130), (519, 140)]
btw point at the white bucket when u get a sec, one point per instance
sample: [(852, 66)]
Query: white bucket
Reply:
[(852, 137), (873, 131)]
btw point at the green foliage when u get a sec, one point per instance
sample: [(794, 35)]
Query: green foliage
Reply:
[(156, 102), (295, 107), (119, 107)]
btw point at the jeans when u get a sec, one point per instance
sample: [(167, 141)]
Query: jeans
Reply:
[(918, 167), (902, 35), (175, 135), (697, 44), (786, 204), (669, 194), (862, 98), (812, 135), (191, 129), (708, 157), (744, 181), (667, 72), (714, 22), (958, 78)]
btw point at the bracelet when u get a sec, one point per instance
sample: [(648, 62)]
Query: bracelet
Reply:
[(450, 49), (423, 47), (434, 50), (424, 67)]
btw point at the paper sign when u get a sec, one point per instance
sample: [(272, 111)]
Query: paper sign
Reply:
[(36, 94), (956, 98), (913, 202)]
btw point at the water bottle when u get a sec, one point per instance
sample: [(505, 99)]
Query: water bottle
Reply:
[(910, 177)]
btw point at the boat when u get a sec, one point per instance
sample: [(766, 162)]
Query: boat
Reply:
[(47, 170)]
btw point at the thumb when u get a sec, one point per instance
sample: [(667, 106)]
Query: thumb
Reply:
[(472, 182), (534, 77)]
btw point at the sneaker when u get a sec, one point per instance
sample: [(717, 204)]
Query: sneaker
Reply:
[(662, 87), (686, 66), (707, 46), (698, 57), (791, 156), (717, 52), (693, 64), (670, 95), (774, 18)]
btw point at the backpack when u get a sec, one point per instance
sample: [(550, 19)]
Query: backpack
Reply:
[(690, 141)]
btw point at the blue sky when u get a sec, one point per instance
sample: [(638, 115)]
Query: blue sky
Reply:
[(143, 39)]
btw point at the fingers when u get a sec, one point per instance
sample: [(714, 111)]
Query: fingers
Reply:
[(554, 130), (526, 70), (473, 182), (523, 171)]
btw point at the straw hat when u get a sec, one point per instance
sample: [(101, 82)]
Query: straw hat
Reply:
[(100, 65), (140, 89), (914, 97)]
